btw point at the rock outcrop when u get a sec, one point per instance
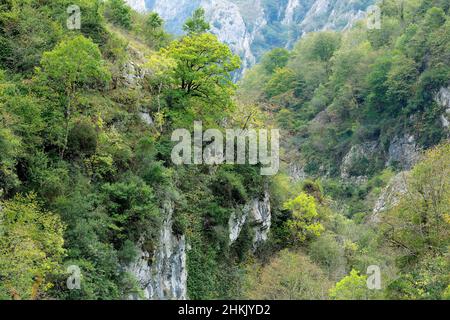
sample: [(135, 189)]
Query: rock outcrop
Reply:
[(296, 172), (403, 152), (230, 27), (132, 71), (356, 162), (332, 15), (162, 275), (236, 222), (443, 99), (257, 213), (390, 196)]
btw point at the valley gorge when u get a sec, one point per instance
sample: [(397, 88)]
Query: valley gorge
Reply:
[(108, 191)]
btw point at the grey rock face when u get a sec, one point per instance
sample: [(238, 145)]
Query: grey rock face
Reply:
[(236, 223), (163, 274), (132, 74), (230, 27), (257, 213), (146, 118), (132, 71), (356, 155), (296, 172), (390, 196), (443, 99), (403, 152), (340, 15), (262, 218)]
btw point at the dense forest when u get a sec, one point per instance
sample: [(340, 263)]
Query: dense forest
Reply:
[(87, 180)]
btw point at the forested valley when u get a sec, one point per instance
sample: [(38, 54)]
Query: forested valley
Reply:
[(87, 182)]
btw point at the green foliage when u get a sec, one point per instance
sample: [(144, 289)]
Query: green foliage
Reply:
[(82, 140), (277, 58), (131, 206), (72, 137), (24, 34), (352, 287), (338, 90), (197, 23), (304, 223), (120, 13), (197, 69), (419, 228), (74, 64), (327, 252), (154, 21), (31, 248), (154, 31), (10, 146), (289, 276), (229, 186)]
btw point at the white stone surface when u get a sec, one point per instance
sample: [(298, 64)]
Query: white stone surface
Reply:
[(163, 275), (389, 196), (443, 98), (257, 213)]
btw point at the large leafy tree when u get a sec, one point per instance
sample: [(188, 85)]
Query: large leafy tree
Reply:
[(74, 64), (203, 65), (304, 221), (198, 67)]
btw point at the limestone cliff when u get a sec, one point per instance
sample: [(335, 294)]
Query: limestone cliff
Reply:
[(258, 214), (162, 274)]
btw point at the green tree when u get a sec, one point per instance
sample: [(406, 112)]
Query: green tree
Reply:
[(25, 33), (74, 64), (281, 80), (154, 21), (197, 67), (400, 81), (154, 31), (353, 287), (323, 45), (304, 221), (10, 145), (120, 13), (277, 58), (197, 23)]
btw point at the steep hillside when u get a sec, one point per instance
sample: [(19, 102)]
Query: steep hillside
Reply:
[(110, 188), (87, 184), (358, 109)]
